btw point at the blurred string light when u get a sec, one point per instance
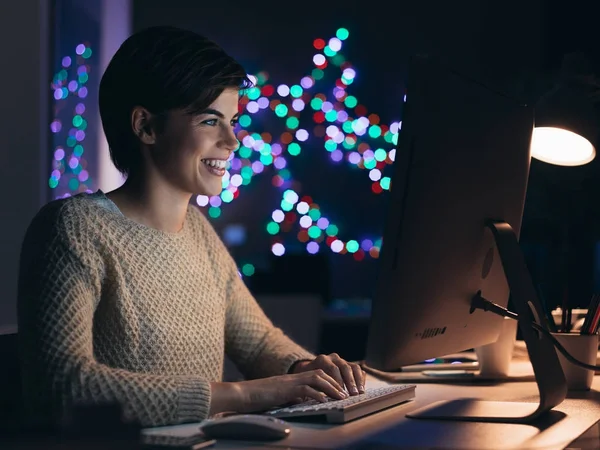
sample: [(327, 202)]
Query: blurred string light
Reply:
[(344, 128), (69, 174)]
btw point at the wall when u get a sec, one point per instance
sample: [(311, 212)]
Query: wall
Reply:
[(27, 39), (24, 46), (115, 28)]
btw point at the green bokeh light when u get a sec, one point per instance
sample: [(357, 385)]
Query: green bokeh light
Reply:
[(253, 93), (352, 246), (328, 51), (73, 184), (294, 149), (246, 173), (318, 74), (351, 101), (370, 164), (281, 110), (331, 116), (316, 104), (267, 160), (245, 152), (374, 131), (314, 232), (385, 183), (332, 230), (380, 154), (338, 60), (248, 270), (330, 145), (342, 34), (227, 196), (314, 214), (273, 228), (292, 123), (296, 91), (245, 120)]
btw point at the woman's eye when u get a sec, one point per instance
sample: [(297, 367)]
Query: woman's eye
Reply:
[(234, 123), (211, 122)]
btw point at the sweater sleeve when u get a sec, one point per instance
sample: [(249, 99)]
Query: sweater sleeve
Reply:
[(255, 345), (58, 294)]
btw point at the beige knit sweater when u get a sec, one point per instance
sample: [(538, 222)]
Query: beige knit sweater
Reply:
[(112, 311)]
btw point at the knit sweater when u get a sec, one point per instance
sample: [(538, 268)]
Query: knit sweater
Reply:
[(113, 311)]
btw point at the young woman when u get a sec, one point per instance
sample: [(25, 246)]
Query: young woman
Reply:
[(130, 297)]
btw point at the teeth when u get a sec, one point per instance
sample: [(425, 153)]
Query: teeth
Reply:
[(216, 163)]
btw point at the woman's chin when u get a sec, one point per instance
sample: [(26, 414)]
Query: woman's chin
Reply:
[(210, 191)]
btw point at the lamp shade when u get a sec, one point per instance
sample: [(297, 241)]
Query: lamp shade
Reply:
[(566, 127)]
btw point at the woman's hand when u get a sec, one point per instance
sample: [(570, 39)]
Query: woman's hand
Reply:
[(344, 373), (266, 393)]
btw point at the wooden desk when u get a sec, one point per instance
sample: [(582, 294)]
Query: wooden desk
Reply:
[(391, 430)]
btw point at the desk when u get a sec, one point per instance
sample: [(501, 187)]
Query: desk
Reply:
[(389, 429)]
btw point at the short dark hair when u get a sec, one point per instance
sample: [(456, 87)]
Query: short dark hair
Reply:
[(161, 69)]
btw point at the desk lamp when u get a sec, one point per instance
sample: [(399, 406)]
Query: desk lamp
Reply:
[(566, 122)]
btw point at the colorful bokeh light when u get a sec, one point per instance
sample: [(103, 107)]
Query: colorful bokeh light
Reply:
[(69, 173), (312, 114)]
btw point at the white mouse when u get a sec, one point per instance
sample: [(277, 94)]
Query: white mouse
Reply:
[(246, 427)]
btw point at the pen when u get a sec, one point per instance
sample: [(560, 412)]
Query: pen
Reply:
[(547, 312), (565, 306), (595, 322), (588, 327)]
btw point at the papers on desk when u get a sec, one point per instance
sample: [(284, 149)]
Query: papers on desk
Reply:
[(520, 370)]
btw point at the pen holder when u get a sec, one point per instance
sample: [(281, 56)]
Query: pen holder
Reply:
[(583, 347)]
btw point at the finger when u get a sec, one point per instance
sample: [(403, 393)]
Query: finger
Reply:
[(338, 382), (359, 377), (295, 401), (331, 369), (318, 379), (307, 392), (347, 374)]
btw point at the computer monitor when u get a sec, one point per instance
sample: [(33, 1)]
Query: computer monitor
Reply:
[(457, 198)]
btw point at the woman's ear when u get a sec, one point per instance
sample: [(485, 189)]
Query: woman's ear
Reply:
[(141, 124)]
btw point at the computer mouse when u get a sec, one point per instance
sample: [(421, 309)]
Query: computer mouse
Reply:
[(246, 427)]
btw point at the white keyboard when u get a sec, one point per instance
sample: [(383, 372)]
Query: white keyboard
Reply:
[(341, 411)]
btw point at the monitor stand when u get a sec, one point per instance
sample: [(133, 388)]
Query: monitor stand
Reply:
[(548, 373)]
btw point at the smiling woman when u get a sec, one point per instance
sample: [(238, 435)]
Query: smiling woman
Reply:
[(130, 297), (187, 150)]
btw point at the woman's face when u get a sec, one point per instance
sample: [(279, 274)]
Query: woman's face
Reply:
[(191, 152)]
